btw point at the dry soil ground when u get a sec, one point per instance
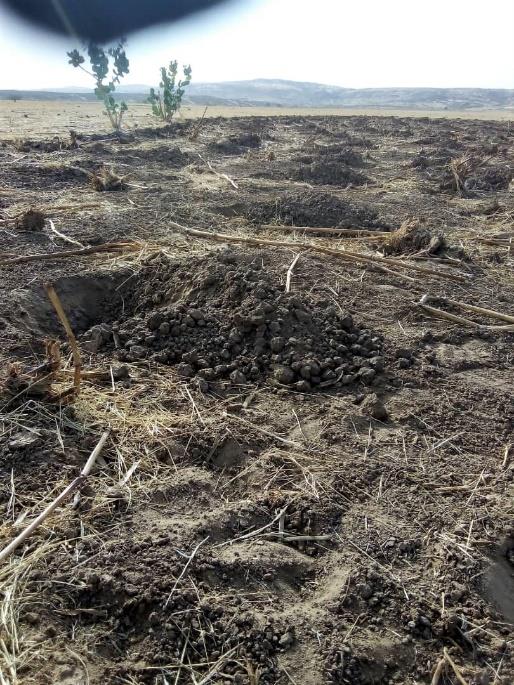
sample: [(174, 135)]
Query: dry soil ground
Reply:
[(308, 477)]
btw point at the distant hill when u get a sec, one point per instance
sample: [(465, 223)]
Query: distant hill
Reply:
[(280, 93), (297, 94)]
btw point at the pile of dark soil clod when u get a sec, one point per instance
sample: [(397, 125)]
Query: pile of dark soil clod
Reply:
[(236, 144), (331, 165), (226, 318), (338, 152), (314, 208), (330, 172)]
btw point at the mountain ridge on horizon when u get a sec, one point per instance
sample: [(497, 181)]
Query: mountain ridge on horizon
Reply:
[(288, 93)]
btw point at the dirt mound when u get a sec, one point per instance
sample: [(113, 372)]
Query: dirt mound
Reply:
[(331, 165), (330, 173), (236, 144), (314, 208), (171, 157), (235, 324), (337, 152)]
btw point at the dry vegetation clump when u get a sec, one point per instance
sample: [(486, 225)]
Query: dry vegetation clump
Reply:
[(469, 175), (412, 238), (106, 180), (31, 220)]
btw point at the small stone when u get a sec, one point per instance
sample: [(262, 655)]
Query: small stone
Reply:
[(372, 406), (202, 385), (284, 375), (23, 440), (366, 591), (366, 375), (306, 371), (185, 370), (138, 351), (238, 378), (164, 328), (277, 344), (207, 374), (286, 640), (347, 323), (31, 617), (404, 363), (196, 314), (377, 363), (155, 320), (302, 316), (303, 386)]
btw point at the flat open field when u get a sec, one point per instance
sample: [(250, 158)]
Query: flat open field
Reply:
[(45, 119), (308, 474)]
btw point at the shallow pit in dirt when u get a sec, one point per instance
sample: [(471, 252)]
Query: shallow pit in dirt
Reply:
[(226, 320), (314, 208), (87, 299)]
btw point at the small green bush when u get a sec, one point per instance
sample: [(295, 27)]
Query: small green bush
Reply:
[(101, 71), (166, 101)]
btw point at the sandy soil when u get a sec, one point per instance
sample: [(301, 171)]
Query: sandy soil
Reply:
[(309, 474)]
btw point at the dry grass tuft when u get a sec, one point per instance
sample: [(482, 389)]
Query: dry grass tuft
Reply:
[(107, 181), (411, 238), (461, 168), (31, 220)]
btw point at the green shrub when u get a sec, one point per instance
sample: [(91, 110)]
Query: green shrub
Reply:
[(166, 101), (106, 77)]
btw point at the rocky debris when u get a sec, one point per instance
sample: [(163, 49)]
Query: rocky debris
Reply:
[(31, 220), (237, 325)]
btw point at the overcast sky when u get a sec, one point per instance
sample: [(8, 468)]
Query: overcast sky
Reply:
[(354, 43)]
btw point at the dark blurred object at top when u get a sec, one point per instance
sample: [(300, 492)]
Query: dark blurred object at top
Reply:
[(103, 20)]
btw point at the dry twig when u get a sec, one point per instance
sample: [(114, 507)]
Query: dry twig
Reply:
[(341, 254), (77, 361), (106, 247), (74, 485)]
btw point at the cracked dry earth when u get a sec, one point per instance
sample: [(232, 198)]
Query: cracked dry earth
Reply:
[(307, 480)]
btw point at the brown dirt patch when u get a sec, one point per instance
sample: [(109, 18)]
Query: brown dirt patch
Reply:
[(251, 531)]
